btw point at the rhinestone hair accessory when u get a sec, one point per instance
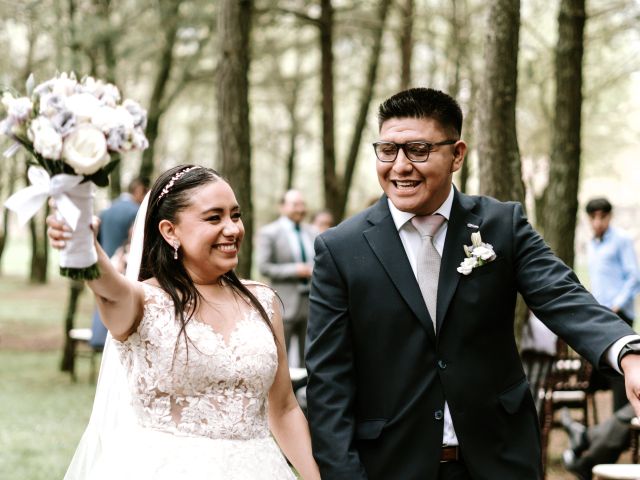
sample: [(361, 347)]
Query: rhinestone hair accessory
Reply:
[(177, 176)]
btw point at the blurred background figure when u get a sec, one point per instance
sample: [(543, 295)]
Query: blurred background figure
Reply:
[(322, 220), (285, 256), (615, 279), (601, 443), (115, 226)]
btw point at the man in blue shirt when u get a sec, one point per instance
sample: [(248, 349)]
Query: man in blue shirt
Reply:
[(614, 273)]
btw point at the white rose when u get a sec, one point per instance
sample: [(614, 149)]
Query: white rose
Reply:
[(467, 265), (484, 252), (46, 140), (107, 118), (85, 149), (83, 106)]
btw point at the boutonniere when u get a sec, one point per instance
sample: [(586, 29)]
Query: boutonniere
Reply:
[(478, 253)]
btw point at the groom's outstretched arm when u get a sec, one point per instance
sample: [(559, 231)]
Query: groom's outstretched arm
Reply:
[(330, 365)]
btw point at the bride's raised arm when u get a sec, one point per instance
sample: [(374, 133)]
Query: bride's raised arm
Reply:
[(120, 300)]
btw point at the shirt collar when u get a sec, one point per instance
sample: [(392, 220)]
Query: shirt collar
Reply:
[(287, 221), (605, 236), (400, 218)]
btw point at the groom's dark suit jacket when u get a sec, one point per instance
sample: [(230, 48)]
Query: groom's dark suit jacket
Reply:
[(379, 375)]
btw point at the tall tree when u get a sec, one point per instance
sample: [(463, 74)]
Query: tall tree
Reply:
[(500, 170), (407, 12), (169, 20), (37, 226), (499, 157), (234, 140), (336, 187), (106, 45), (560, 198)]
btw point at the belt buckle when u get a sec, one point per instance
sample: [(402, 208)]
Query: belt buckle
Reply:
[(450, 454)]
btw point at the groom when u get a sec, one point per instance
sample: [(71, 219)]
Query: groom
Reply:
[(413, 367)]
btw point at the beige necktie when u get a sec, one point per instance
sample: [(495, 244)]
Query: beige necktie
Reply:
[(428, 263)]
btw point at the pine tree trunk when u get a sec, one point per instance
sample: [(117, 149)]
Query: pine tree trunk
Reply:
[(169, 19), (499, 158), (363, 111), (110, 62), (560, 199), (234, 139), (407, 11), (330, 176)]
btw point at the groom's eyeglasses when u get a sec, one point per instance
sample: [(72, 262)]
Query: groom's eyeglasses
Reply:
[(417, 152)]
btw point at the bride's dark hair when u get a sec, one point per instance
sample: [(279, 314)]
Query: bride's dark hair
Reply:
[(170, 195)]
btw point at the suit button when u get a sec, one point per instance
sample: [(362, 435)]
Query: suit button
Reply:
[(442, 364), (438, 415)]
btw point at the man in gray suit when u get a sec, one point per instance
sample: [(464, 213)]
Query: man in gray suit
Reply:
[(285, 256)]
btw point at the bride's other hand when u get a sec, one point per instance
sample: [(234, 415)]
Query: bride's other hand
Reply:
[(58, 232)]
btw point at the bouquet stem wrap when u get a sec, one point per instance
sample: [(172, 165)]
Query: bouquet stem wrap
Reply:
[(78, 260)]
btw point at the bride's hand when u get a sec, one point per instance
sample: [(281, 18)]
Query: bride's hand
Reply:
[(59, 232)]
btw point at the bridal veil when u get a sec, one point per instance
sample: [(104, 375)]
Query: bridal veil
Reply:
[(112, 415)]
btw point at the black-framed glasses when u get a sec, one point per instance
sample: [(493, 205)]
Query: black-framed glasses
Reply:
[(416, 152)]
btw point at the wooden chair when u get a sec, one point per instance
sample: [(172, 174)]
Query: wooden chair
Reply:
[(567, 386), (80, 338)]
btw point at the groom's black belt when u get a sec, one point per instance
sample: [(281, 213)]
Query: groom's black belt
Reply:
[(450, 454)]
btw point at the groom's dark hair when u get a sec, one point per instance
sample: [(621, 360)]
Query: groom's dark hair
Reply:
[(423, 103)]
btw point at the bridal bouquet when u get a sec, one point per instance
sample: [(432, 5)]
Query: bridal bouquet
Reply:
[(75, 131)]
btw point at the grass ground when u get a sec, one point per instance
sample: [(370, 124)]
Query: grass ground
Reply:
[(42, 412)]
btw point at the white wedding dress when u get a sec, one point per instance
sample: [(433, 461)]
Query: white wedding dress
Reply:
[(203, 414)]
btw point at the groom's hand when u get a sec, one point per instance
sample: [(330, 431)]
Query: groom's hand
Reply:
[(630, 365)]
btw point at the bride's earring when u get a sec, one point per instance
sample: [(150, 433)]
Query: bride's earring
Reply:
[(176, 246)]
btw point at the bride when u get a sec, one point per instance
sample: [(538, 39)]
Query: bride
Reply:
[(205, 386)]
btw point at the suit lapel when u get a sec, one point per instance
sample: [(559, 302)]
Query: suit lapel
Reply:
[(385, 242), (458, 235)]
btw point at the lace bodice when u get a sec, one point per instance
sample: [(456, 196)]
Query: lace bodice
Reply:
[(220, 391)]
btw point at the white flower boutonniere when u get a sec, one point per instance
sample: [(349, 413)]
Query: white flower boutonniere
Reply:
[(478, 253)]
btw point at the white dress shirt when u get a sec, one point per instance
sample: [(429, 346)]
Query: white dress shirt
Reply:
[(412, 241)]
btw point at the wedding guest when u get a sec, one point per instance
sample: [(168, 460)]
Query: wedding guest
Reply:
[(322, 220), (201, 349), (601, 443), (285, 256), (614, 276), (413, 367)]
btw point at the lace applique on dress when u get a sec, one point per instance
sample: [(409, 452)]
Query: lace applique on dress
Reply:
[(221, 391)]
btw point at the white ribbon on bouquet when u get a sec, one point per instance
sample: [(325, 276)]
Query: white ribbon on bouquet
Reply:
[(74, 202), (29, 200)]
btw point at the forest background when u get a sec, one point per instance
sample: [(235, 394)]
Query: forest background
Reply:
[(281, 94)]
